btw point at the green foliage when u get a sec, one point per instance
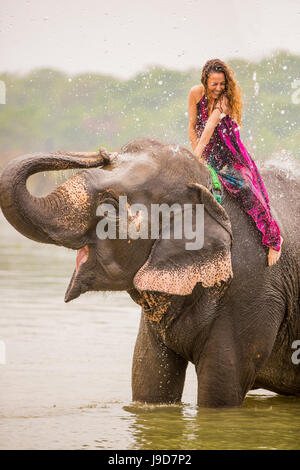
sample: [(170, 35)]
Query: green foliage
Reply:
[(48, 110)]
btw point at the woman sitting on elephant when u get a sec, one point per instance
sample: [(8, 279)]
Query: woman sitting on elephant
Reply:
[(214, 115)]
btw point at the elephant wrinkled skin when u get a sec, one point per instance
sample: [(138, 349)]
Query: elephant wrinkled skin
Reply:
[(220, 307)]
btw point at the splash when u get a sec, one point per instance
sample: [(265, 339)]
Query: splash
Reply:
[(284, 160)]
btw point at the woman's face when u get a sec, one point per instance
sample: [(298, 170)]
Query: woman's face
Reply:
[(216, 84)]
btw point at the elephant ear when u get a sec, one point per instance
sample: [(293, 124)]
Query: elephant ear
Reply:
[(172, 269)]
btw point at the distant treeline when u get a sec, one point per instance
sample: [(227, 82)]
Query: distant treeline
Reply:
[(49, 110)]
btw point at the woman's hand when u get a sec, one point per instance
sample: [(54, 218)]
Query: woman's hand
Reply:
[(199, 150)]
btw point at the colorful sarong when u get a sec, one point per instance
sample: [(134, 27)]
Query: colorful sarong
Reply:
[(238, 173)]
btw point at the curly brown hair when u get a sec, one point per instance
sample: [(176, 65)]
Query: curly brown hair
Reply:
[(232, 88)]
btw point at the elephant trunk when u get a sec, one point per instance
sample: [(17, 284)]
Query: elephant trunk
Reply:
[(62, 217)]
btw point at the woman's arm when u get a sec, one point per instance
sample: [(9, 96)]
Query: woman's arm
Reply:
[(192, 109), (221, 108)]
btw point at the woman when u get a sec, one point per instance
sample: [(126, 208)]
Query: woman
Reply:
[(214, 114)]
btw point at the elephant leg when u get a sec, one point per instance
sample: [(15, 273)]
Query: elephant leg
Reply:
[(158, 373), (224, 373)]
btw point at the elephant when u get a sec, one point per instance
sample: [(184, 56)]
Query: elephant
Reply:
[(220, 306)]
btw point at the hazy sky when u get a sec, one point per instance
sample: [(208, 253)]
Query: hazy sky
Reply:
[(123, 37)]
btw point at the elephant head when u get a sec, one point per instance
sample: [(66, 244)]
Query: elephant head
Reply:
[(146, 172)]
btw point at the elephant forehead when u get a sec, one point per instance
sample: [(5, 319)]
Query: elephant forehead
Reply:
[(127, 172)]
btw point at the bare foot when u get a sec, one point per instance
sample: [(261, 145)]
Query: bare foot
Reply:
[(273, 255)]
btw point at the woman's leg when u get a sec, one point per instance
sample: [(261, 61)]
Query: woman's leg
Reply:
[(273, 255), (247, 192)]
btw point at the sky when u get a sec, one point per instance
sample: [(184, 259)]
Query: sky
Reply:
[(124, 37)]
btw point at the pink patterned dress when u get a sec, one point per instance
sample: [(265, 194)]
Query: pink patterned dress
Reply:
[(238, 173)]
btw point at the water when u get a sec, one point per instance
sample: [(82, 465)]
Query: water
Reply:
[(66, 381)]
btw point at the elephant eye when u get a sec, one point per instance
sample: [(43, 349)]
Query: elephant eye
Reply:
[(108, 208)]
